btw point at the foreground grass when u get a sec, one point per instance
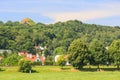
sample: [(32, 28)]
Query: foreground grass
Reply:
[(55, 73)]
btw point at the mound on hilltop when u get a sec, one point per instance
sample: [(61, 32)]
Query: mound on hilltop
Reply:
[(27, 21)]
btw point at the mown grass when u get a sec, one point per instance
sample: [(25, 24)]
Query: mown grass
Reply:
[(55, 73)]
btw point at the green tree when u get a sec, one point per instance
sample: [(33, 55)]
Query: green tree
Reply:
[(1, 23), (9, 23), (59, 50), (5, 54), (114, 50), (79, 54), (25, 66), (11, 60), (98, 53)]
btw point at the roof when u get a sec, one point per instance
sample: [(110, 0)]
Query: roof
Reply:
[(31, 59)]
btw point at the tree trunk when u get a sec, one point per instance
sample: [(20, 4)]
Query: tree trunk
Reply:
[(98, 68), (118, 66)]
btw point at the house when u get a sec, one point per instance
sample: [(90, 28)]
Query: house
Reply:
[(56, 58), (65, 57), (40, 48), (42, 59), (22, 53), (32, 57), (1, 59), (3, 50)]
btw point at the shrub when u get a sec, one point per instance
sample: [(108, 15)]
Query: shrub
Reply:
[(25, 66), (37, 63), (61, 61), (47, 62), (0, 69), (11, 60)]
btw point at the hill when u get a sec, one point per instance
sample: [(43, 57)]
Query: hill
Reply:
[(16, 37)]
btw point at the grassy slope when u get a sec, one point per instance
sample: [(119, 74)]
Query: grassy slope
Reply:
[(54, 73)]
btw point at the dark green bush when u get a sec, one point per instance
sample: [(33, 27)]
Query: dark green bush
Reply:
[(48, 62), (0, 69), (11, 60), (37, 63), (25, 66)]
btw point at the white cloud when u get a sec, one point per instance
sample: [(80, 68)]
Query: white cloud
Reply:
[(83, 15), (91, 12)]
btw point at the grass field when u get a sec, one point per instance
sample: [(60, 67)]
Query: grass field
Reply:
[(55, 73)]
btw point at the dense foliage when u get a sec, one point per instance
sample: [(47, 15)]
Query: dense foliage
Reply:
[(11, 60), (58, 37), (114, 52), (98, 53), (25, 66), (20, 37), (79, 54)]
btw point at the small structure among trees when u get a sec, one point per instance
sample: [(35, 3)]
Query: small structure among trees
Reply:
[(61, 61), (32, 58)]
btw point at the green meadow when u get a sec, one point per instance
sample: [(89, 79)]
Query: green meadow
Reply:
[(55, 73)]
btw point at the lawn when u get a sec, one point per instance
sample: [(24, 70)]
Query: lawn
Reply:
[(55, 73)]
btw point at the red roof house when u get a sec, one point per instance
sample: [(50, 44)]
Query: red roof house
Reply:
[(31, 57)]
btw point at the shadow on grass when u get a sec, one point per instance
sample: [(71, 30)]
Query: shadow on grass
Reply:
[(65, 68), (2, 69), (101, 69)]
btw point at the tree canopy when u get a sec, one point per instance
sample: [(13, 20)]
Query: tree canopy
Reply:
[(20, 37), (79, 54), (114, 50), (98, 52)]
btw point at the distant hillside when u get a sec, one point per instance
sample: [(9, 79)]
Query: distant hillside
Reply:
[(15, 36)]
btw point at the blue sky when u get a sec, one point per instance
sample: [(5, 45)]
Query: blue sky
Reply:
[(104, 12)]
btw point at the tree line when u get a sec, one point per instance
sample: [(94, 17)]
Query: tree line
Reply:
[(96, 54), (57, 37)]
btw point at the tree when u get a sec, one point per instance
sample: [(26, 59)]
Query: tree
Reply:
[(61, 61), (79, 54), (25, 66), (114, 50), (59, 50), (1, 23), (98, 53), (5, 54), (11, 60), (9, 23)]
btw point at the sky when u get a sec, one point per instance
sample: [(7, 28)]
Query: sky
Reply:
[(103, 12)]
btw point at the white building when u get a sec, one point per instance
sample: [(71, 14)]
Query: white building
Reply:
[(3, 50)]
